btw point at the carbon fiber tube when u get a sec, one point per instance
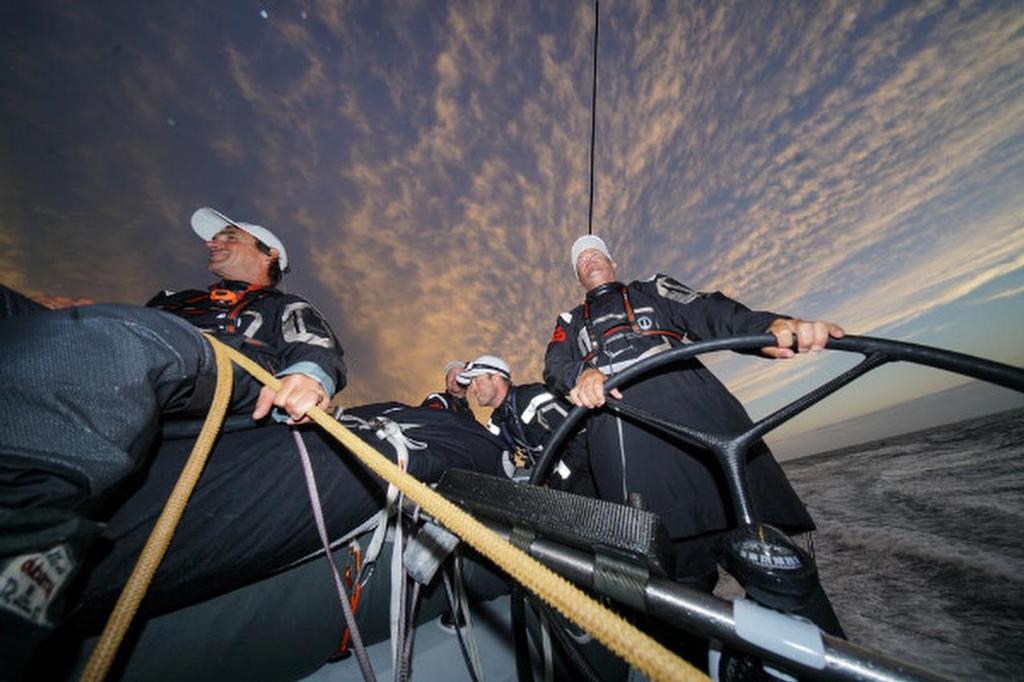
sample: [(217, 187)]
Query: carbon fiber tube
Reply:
[(710, 617)]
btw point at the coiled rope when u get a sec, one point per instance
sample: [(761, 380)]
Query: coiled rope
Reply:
[(620, 636)]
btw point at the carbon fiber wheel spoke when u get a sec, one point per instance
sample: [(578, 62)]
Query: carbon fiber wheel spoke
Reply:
[(681, 431)]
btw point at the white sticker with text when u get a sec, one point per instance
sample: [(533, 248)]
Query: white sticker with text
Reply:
[(29, 583)]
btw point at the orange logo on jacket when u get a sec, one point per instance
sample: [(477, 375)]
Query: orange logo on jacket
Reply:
[(559, 335)]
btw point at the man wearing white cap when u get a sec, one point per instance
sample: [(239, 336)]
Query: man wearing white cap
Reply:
[(524, 416), (87, 390), (453, 398), (618, 325), (282, 332)]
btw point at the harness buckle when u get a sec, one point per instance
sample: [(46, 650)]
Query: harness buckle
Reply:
[(224, 296)]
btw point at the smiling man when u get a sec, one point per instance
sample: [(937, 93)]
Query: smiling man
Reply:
[(524, 416), (86, 392), (282, 332)]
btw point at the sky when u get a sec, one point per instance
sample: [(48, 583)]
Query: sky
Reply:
[(427, 166)]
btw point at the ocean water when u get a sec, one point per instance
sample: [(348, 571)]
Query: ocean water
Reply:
[(920, 544)]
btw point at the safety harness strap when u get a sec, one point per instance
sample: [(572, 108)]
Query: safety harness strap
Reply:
[(630, 325), (318, 515)]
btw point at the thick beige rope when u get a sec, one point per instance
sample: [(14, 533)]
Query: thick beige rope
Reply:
[(645, 654), (128, 603)]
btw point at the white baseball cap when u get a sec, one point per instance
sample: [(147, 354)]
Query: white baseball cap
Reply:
[(206, 222), (452, 365), (485, 364), (588, 241)]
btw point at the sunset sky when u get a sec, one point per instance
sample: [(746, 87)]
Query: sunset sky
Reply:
[(426, 165)]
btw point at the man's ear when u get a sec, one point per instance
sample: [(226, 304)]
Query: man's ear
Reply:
[(271, 256)]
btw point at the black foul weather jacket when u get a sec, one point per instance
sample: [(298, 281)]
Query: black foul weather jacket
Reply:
[(445, 400), (617, 326), (525, 420), (284, 333)]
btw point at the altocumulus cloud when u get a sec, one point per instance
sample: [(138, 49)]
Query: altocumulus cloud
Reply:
[(427, 165)]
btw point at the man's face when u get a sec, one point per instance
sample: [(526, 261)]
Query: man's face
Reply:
[(594, 269), (451, 383), (488, 389), (234, 255)]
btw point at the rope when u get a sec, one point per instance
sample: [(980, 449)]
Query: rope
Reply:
[(621, 637), (102, 656), (593, 119)]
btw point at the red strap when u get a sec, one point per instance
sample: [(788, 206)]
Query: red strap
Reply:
[(243, 300), (630, 324)]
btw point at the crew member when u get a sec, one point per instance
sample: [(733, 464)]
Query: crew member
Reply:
[(83, 392), (453, 398), (524, 416), (282, 332), (618, 325)]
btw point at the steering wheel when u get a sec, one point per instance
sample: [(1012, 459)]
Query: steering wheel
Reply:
[(752, 549), (730, 449)]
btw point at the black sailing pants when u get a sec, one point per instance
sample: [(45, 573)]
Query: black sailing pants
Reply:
[(82, 391)]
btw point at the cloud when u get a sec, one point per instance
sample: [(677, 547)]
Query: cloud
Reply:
[(470, 248), (428, 164), (1006, 293), (11, 264), (915, 292), (831, 199)]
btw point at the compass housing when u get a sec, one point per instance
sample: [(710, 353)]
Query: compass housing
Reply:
[(770, 566)]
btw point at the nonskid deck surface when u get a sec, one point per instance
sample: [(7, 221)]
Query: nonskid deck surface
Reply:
[(436, 653), (572, 520)]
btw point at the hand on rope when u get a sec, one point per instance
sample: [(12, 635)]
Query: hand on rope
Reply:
[(297, 395), (620, 636)]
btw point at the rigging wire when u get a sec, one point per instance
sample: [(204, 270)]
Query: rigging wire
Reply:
[(593, 119)]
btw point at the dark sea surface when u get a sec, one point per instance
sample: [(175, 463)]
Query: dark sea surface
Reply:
[(920, 544)]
